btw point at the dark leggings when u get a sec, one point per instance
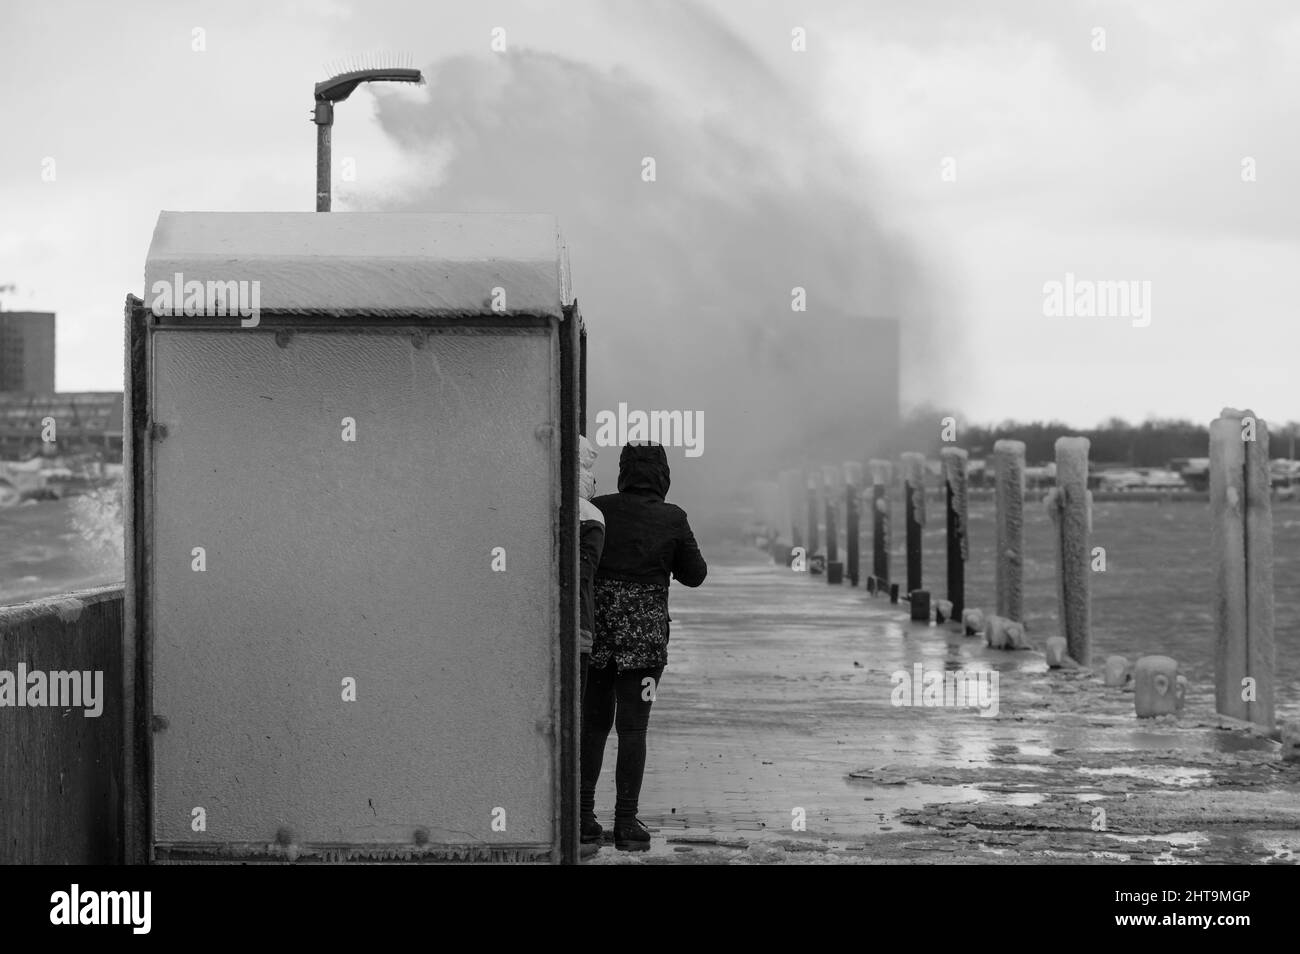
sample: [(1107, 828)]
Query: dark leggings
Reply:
[(613, 699)]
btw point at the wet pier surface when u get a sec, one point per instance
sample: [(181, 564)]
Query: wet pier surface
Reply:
[(778, 707)]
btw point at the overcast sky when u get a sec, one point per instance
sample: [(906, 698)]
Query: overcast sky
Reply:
[(1115, 164)]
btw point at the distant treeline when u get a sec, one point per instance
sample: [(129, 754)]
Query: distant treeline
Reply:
[(1152, 443)]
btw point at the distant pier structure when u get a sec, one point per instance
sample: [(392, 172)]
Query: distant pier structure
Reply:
[(34, 418), (84, 422)]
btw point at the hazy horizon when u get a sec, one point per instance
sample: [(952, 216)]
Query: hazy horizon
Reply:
[(936, 163)]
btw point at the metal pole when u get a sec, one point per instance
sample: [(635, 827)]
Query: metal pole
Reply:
[(323, 162), (334, 90)]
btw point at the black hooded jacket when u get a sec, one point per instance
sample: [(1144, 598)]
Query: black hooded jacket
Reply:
[(646, 538)]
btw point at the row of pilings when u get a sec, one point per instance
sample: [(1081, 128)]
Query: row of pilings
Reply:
[(807, 507)]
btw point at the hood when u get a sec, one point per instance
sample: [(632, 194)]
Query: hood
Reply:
[(586, 465), (643, 469)]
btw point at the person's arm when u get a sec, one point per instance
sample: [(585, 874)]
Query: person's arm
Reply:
[(591, 545), (689, 567)]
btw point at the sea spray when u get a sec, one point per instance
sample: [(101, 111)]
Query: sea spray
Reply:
[(688, 279), (96, 519)]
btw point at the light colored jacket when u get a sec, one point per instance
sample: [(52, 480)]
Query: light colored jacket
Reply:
[(591, 541)]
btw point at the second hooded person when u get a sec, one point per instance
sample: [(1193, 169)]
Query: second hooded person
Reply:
[(648, 541)]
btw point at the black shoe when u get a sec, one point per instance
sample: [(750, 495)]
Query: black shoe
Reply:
[(592, 833), (631, 836)]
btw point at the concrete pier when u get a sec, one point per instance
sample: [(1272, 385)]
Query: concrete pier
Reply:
[(779, 695)]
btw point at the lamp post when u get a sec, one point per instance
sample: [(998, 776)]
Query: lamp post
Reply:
[(334, 90)]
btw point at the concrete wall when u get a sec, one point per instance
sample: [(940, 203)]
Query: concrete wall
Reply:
[(60, 770)]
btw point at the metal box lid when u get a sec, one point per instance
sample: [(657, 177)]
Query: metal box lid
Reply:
[(368, 263)]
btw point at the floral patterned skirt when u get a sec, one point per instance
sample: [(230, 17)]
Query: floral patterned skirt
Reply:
[(631, 625)]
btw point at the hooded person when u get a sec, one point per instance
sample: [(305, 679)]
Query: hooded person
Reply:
[(648, 542), (591, 540)]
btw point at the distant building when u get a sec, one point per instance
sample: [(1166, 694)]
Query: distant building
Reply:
[(27, 351), (83, 422)]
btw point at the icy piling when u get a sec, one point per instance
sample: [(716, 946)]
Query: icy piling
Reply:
[(1070, 522), (914, 484), (1010, 493), (954, 478), (814, 479), (792, 495), (880, 478), (833, 483), (1243, 553), (852, 523)]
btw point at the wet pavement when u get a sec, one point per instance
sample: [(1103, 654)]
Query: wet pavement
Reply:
[(775, 739)]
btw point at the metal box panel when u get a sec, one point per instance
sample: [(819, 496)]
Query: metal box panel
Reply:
[(370, 559)]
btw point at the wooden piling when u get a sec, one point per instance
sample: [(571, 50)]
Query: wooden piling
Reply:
[(852, 529), (954, 478), (832, 532), (813, 478), (831, 477), (1069, 510), (1010, 493), (1243, 554), (880, 479), (792, 495), (914, 509)]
